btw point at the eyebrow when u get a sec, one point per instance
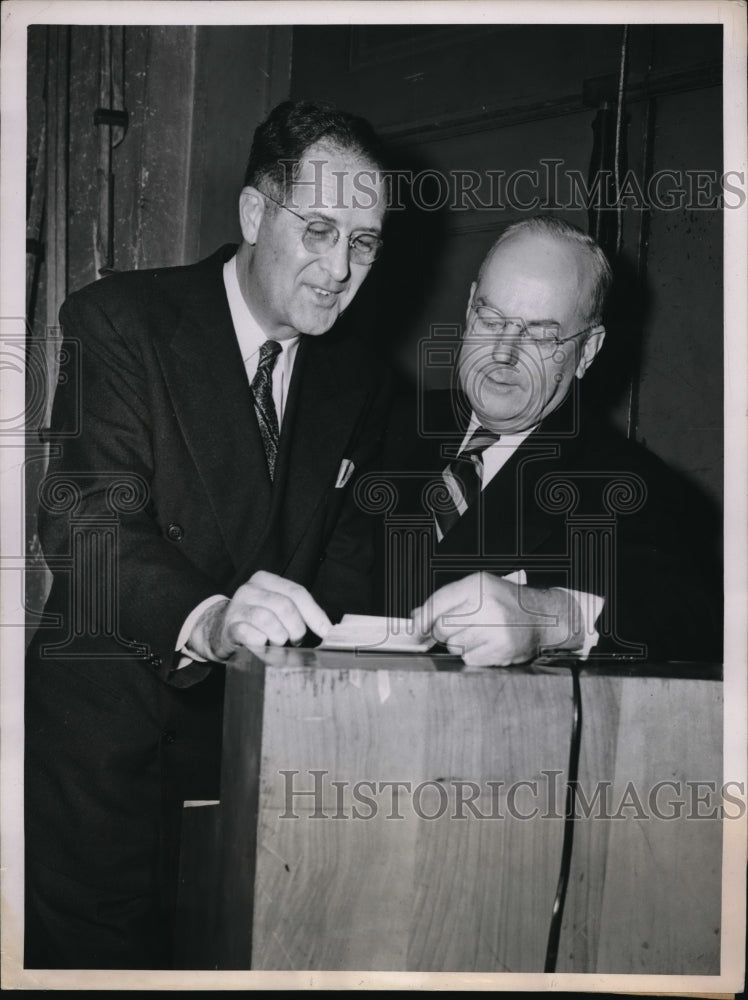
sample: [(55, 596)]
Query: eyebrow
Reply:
[(529, 322)]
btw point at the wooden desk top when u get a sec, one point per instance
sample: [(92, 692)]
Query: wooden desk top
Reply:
[(321, 659)]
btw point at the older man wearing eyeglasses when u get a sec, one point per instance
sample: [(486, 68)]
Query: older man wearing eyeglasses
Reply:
[(550, 533), (210, 393)]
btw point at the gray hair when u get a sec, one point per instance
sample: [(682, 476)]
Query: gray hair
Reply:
[(546, 225)]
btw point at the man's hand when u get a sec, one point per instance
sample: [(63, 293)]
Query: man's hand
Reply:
[(492, 622), (268, 609)]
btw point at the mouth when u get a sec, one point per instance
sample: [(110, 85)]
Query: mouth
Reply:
[(324, 296), (502, 379)]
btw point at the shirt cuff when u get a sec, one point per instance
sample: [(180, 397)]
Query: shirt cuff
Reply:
[(188, 655), (590, 607)]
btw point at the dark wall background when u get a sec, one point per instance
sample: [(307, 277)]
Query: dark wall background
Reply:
[(158, 190), (447, 98), (488, 97)]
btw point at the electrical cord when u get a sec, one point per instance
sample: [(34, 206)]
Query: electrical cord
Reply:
[(557, 913), (619, 129)]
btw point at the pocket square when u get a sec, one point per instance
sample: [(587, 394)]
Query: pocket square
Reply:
[(344, 473)]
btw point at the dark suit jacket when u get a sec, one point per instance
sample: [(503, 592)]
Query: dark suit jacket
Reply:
[(158, 496), (576, 506)]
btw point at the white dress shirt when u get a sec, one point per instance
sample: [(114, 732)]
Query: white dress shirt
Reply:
[(251, 337)]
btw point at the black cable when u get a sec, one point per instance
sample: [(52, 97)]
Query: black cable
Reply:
[(557, 914), (619, 129)]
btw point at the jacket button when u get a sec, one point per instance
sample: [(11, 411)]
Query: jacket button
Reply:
[(170, 736), (175, 532), (155, 660)]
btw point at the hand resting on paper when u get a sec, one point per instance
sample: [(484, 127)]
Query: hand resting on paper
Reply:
[(489, 621), (267, 610)]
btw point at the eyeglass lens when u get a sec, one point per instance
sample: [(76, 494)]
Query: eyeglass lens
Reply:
[(319, 237)]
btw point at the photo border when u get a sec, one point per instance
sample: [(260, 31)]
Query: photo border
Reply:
[(16, 16)]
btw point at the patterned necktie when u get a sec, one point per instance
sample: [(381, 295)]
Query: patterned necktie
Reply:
[(262, 388), (463, 477)]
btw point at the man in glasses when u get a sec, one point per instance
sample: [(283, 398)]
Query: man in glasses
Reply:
[(550, 533), (220, 432)]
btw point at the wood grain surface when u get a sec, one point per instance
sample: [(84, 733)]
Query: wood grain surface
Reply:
[(403, 813), (416, 880), (645, 891)]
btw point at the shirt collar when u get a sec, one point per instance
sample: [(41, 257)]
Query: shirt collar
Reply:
[(249, 333), (506, 440)]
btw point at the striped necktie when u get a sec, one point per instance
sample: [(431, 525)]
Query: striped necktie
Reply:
[(262, 389), (463, 478)]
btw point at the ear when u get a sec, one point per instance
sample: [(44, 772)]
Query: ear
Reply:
[(591, 346), (472, 293), (251, 210)]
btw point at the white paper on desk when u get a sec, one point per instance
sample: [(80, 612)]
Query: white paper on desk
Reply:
[(383, 635)]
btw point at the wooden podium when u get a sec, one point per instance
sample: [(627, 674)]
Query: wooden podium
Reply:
[(385, 812)]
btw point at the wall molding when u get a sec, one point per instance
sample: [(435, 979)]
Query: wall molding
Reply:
[(440, 127)]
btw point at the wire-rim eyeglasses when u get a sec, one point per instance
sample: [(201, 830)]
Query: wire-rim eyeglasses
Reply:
[(320, 237)]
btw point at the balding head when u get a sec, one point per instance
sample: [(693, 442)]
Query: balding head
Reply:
[(532, 323), (592, 257)]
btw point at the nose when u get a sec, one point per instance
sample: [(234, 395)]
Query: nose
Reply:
[(337, 260), (506, 348)]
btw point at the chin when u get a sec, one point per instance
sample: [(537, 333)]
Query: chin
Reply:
[(506, 420), (316, 325), (501, 406)]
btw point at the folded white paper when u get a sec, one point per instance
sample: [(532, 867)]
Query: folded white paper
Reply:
[(381, 635)]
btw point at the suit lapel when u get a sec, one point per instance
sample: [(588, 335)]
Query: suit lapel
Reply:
[(321, 414), (212, 400), (503, 525), (508, 522)]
